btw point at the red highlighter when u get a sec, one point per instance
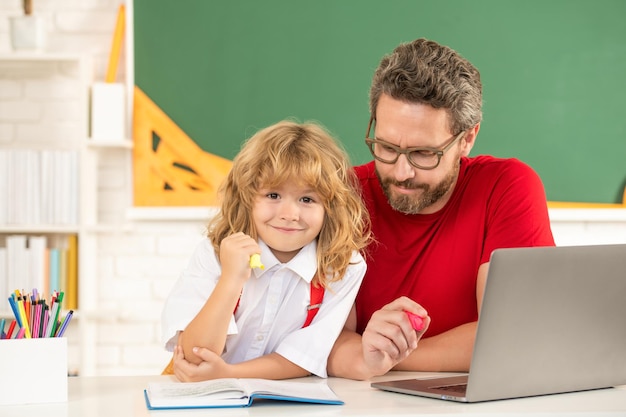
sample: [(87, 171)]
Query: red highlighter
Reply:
[(416, 321)]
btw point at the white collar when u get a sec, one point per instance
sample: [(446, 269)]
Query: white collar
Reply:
[(304, 263)]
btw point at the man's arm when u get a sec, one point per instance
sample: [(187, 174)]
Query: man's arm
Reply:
[(387, 340), (383, 346), (449, 351)]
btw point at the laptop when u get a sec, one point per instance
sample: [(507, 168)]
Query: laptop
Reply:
[(553, 320)]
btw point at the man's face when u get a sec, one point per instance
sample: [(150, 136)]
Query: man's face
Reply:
[(409, 189)]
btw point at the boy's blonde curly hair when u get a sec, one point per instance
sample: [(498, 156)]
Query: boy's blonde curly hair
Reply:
[(305, 154)]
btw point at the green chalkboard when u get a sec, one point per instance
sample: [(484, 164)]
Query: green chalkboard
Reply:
[(554, 74)]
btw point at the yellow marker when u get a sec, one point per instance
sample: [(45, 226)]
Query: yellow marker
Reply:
[(24, 317), (255, 261)]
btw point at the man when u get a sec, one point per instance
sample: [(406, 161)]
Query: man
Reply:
[(436, 215)]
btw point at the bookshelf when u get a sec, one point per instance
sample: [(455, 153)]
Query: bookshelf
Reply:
[(48, 94)]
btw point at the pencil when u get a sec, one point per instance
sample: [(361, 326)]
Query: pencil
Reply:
[(20, 305), (66, 321), (16, 311), (11, 328), (54, 313), (42, 318)]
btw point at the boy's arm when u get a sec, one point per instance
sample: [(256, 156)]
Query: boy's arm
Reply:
[(210, 326), (270, 366)]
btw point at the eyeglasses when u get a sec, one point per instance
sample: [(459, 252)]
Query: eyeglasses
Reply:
[(419, 157)]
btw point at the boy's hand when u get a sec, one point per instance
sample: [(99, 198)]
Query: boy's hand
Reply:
[(235, 253), (211, 367)]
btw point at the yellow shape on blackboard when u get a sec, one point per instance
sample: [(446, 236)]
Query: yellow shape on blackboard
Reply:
[(175, 172)]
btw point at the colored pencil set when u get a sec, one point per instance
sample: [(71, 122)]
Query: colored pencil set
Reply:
[(34, 317)]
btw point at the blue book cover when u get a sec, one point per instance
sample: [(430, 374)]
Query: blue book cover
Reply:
[(55, 258), (234, 392)]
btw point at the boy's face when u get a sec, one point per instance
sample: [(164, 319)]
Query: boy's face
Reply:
[(287, 218)]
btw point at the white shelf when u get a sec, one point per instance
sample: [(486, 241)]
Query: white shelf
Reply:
[(587, 214), (113, 143), (41, 65), (170, 213), (39, 228), (39, 56), (108, 228)]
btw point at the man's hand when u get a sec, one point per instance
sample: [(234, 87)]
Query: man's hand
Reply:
[(211, 367), (387, 340), (389, 337)]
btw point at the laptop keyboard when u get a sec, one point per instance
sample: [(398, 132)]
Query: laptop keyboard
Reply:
[(460, 388)]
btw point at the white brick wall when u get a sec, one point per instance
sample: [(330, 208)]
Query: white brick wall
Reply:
[(137, 269), (138, 261), (568, 233)]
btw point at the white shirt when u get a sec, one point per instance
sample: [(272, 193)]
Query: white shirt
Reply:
[(272, 308)]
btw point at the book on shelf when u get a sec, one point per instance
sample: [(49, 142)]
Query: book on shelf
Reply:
[(235, 392), (71, 292), (63, 272), (26, 262), (42, 185), (5, 180), (37, 253), (4, 280), (54, 280), (18, 265)]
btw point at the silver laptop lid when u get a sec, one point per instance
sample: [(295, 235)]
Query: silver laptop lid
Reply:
[(552, 321)]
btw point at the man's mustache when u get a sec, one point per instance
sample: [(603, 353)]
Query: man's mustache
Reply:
[(407, 184)]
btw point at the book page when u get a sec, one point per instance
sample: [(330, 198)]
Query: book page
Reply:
[(318, 390), (226, 388)]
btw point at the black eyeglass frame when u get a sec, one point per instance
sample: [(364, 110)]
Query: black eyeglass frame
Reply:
[(407, 151)]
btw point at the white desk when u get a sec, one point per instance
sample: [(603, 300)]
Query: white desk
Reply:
[(123, 396)]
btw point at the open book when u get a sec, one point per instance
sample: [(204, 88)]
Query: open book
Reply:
[(232, 392)]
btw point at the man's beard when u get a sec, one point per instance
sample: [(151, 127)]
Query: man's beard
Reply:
[(415, 204)]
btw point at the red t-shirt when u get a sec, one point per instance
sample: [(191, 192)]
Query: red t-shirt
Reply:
[(434, 258)]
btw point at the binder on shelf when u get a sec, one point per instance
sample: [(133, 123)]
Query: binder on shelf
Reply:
[(55, 259), (37, 259), (71, 292), (43, 185), (108, 111)]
